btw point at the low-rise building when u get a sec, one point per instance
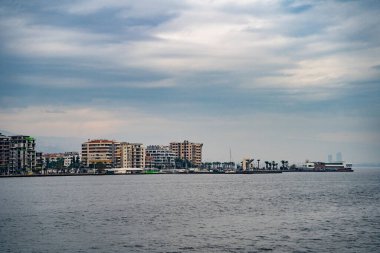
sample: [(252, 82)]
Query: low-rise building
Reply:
[(70, 158)]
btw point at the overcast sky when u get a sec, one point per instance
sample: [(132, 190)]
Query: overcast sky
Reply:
[(270, 79)]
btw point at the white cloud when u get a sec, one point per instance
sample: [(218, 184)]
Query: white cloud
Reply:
[(205, 36), (45, 81), (260, 45)]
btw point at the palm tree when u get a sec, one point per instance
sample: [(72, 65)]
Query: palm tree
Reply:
[(258, 163), (266, 165)]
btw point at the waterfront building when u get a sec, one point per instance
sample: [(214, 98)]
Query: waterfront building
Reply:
[(52, 157), (66, 158), (106, 152), (132, 155), (4, 153), (158, 156), (22, 157), (188, 151), (69, 158), (39, 161)]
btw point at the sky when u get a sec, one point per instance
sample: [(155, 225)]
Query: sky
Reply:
[(270, 80)]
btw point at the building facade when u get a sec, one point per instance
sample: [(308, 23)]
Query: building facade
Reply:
[(132, 155), (188, 150), (22, 157), (39, 161), (69, 158), (160, 157), (247, 164), (106, 152), (4, 154), (113, 154), (66, 158)]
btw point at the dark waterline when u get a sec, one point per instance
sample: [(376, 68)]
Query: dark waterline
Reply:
[(289, 212)]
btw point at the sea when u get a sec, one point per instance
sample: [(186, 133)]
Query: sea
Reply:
[(288, 212)]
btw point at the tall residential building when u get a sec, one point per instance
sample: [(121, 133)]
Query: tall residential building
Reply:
[(4, 153), (132, 155), (101, 151), (160, 157), (22, 154), (188, 150)]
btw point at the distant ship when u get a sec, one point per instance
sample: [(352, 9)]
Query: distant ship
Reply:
[(326, 167)]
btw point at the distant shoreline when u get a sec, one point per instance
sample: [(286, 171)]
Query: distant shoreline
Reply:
[(160, 173)]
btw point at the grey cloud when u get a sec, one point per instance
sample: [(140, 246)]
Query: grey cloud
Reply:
[(201, 60)]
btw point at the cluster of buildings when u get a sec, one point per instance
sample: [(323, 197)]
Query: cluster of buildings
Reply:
[(65, 160), (18, 155), (114, 154)]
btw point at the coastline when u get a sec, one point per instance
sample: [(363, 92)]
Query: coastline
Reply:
[(165, 173)]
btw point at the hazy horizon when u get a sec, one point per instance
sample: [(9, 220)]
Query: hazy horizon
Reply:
[(273, 80)]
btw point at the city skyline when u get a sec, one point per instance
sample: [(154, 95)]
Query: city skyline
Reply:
[(185, 149), (276, 80)]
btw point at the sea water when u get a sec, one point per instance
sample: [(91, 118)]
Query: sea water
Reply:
[(288, 212)]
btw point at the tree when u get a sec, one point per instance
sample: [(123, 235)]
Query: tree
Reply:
[(100, 167), (59, 165), (47, 165), (77, 163), (72, 162), (183, 163)]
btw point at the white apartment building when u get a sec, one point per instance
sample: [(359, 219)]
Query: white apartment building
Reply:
[(158, 156), (132, 155)]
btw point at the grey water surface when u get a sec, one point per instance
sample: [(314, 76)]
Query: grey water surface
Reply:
[(289, 212)]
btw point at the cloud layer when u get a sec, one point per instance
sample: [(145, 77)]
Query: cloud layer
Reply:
[(196, 66)]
